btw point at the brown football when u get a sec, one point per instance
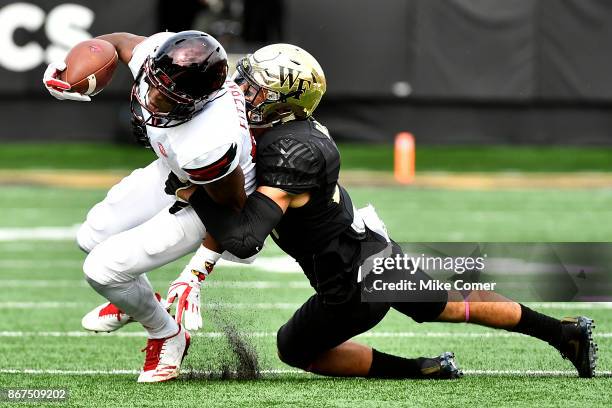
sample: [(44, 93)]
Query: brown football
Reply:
[(90, 66)]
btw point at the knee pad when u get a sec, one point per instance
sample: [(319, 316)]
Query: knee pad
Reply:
[(131, 202), (290, 353), (123, 257), (421, 312), (108, 263), (84, 238), (95, 228)]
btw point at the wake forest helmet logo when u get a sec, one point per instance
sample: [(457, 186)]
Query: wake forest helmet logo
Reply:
[(287, 78), (290, 77)]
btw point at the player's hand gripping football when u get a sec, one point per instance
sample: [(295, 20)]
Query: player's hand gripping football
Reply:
[(58, 88), (186, 291)]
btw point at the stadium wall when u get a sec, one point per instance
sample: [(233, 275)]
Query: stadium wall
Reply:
[(450, 71)]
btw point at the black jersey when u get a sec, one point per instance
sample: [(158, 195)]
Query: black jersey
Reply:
[(298, 157)]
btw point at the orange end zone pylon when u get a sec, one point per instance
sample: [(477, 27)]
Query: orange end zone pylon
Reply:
[(404, 158)]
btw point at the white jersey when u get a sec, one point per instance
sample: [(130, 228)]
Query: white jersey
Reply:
[(210, 145)]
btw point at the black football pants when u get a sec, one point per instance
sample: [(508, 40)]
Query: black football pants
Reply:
[(318, 325)]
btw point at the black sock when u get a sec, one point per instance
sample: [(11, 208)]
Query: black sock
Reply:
[(539, 326), (389, 366)]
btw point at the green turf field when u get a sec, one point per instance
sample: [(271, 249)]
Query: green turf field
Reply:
[(43, 297), (354, 156)]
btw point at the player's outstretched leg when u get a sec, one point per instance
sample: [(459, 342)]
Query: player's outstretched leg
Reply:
[(316, 339), (578, 345), (351, 359), (572, 337)]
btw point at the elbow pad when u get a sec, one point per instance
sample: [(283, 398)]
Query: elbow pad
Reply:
[(241, 234)]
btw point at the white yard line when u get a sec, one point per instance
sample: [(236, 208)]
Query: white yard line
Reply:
[(127, 372), (117, 334), (533, 373), (210, 283), (279, 305), (266, 264), (526, 373), (276, 264), (49, 264), (41, 305), (61, 305), (374, 334), (571, 305), (38, 233)]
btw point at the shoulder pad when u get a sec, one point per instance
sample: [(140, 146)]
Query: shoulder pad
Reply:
[(289, 164)]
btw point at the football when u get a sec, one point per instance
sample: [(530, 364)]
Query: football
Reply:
[(90, 66)]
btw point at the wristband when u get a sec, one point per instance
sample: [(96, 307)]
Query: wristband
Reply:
[(202, 262)]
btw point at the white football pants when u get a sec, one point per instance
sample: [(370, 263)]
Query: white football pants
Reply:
[(131, 232)]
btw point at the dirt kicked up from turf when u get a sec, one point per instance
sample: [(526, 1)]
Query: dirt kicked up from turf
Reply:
[(440, 180), (240, 363)]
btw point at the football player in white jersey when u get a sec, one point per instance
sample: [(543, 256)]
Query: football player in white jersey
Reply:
[(184, 107)]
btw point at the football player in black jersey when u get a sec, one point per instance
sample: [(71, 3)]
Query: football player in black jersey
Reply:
[(311, 217)]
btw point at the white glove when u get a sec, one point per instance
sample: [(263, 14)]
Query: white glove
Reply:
[(58, 88), (186, 288)]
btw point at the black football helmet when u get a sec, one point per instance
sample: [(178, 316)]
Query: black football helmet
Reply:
[(189, 70)]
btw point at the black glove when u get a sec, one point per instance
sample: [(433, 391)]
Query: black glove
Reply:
[(174, 185), (177, 206)]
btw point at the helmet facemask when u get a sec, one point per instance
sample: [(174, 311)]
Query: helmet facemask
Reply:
[(256, 98)]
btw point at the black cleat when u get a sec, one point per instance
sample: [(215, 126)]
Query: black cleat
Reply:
[(443, 367), (578, 345)]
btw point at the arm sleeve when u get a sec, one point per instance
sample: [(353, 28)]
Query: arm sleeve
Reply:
[(241, 234), (289, 164)]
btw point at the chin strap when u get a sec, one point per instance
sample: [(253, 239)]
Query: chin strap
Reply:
[(287, 118), (284, 119), (260, 126), (139, 131)]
